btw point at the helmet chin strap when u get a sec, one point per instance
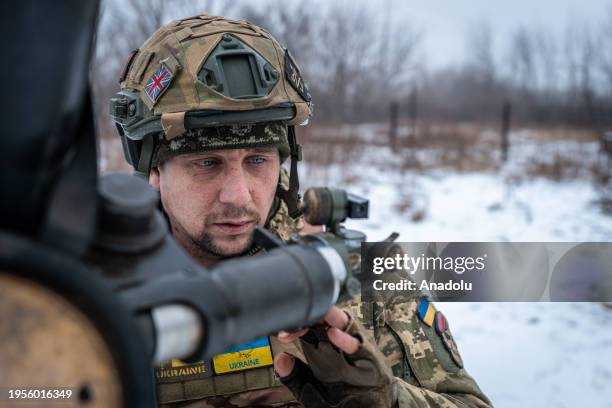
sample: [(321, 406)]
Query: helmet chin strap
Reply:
[(292, 197), (143, 168)]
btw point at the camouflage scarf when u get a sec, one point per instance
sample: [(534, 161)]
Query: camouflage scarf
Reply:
[(239, 136)]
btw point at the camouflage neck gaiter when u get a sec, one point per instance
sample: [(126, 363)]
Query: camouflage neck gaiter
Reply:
[(280, 222)]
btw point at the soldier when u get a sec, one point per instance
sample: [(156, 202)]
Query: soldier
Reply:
[(207, 112)]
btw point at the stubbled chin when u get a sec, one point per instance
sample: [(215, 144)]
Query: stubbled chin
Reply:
[(233, 246)]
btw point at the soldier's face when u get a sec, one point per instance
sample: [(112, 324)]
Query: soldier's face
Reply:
[(214, 200)]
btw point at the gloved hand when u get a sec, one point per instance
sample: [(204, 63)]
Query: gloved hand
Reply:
[(345, 369)]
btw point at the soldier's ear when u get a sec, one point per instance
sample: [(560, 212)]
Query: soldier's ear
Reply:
[(154, 178)]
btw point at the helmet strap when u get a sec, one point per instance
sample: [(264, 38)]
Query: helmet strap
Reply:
[(146, 156), (292, 197)]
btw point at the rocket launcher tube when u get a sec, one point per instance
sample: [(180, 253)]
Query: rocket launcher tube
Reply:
[(196, 313)]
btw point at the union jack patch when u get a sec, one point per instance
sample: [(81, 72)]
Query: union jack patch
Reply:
[(159, 82)]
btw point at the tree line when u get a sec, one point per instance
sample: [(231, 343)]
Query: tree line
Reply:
[(359, 59)]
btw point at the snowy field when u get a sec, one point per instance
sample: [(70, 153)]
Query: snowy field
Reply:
[(481, 207), (522, 354), (536, 354)]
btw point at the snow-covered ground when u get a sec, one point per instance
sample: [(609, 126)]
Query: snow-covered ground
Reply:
[(481, 207), (521, 354), (510, 204), (536, 354)]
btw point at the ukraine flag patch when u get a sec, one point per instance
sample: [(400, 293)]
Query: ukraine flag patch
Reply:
[(427, 312), (254, 354)]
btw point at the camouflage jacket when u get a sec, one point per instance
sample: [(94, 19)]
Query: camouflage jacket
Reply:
[(428, 368)]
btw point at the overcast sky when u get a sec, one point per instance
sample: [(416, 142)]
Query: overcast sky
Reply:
[(446, 22)]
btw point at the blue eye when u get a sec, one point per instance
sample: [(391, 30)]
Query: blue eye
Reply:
[(258, 160), (206, 162)]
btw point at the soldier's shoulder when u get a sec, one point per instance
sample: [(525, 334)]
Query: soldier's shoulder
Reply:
[(411, 327), (416, 340), (424, 331)]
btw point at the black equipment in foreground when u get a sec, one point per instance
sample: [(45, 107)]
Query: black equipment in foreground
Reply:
[(93, 289)]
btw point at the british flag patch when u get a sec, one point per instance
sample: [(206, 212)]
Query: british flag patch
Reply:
[(159, 82)]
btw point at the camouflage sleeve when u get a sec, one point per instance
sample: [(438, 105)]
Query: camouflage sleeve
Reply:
[(411, 396), (419, 348)]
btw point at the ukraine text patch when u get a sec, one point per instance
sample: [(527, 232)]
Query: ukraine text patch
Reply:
[(177, 370), (159, 82), (427, 312), (254, 354)]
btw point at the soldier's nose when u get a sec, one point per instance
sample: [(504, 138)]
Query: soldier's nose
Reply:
[(235, 189)]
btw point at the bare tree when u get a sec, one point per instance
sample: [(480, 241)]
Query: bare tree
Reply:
[(605, 50), (522, 61), (353, 66), (581, 58), (480, 57)]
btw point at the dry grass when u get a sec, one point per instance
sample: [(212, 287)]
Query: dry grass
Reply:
[(558, 168), (563, 134), (324, 145), (461, 147), (411, 207)]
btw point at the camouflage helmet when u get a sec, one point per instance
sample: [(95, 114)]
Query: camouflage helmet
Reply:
[(208, 83)]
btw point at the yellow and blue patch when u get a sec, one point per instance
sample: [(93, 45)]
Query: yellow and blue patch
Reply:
[(254, 354), (427, 312)]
